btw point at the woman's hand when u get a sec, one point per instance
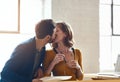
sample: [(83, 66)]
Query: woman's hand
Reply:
[(73, 64), (58, 58)]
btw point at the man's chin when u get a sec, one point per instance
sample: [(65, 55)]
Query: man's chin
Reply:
[(51, 41)]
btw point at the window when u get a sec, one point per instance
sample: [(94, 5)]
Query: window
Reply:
[(9, 16), (17, 23), (17, 15), (30, 13), (109, 33), (116, 17)]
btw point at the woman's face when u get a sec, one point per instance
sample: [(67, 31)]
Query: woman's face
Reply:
[(59, 35)]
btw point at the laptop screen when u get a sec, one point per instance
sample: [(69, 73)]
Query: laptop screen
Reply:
[(117, 65)]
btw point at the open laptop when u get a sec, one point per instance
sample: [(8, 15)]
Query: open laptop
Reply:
[(107, 75), (117, 66), (115, 74)]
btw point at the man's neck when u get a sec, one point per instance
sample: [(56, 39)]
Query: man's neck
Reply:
[(40, 43)]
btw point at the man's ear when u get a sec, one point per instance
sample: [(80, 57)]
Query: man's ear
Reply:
[(48, 37)]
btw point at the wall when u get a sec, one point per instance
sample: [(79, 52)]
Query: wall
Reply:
[(83, 16)]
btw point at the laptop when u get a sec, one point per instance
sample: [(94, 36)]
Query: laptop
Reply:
[(111, 75), (107, 75), (117, 65)]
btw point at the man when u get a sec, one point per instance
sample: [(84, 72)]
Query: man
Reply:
[(22, 65)]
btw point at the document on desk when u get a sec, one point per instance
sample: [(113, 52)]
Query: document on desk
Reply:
[(102, 76), (108, 75), (55, 78)]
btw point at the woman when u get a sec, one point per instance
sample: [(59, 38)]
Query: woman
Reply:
[(63, 60)]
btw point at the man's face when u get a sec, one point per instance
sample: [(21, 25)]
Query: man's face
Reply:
[(58, 35), (50, 40), (53, 36)]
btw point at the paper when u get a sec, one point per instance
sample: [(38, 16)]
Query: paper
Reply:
[(56, 78)]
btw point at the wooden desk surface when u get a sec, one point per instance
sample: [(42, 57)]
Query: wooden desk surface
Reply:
[(85, 80), (94, 81)]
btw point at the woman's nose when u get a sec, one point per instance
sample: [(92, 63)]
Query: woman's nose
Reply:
[(54, 36)]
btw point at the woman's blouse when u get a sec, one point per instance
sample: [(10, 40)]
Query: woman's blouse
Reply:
[(61, 69)]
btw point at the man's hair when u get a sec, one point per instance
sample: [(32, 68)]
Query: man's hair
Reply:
[(44, 27)]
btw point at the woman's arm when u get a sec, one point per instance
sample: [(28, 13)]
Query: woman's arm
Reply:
[(79, 68), (79, 73), (58, 58), (77, 65)]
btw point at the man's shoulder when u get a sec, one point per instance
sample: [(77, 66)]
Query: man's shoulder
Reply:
[(27, 43)]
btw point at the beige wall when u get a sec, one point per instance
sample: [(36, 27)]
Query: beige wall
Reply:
[(83, 15)]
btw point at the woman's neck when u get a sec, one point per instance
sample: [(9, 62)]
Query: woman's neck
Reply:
[(62, 48)]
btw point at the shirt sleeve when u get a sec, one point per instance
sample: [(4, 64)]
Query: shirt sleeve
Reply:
[(47, 60), (78, 53)]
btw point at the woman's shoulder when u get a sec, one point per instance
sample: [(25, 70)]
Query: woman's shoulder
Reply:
[(50, 54), (77, 50), (50, 51), (77, 53)]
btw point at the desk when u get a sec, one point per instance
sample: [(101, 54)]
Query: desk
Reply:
[(84, 81), (93, 81), (101, 77), (87, 78)]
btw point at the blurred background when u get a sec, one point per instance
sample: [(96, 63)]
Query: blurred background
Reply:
[(95, 24)]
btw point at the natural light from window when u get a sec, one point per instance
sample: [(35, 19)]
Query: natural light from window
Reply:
[(8, 15), (31, 12), (109, 34)]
